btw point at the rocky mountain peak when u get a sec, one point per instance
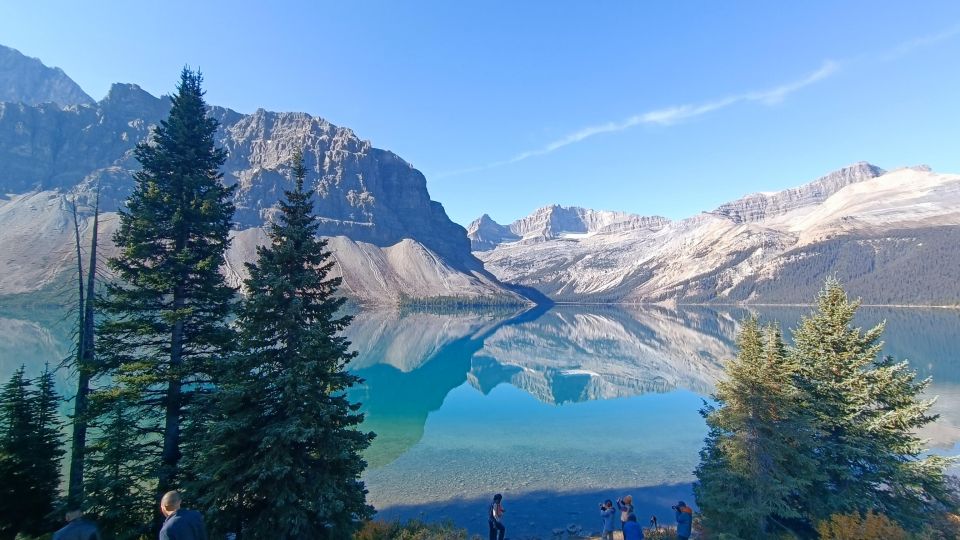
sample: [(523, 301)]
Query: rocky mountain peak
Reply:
[(129, 101), (554, 221), (760, 206), (485, 234), (27, 80)]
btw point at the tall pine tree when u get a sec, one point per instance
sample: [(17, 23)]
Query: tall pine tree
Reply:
[(30, 452), (47, 449), (865, 410), (16, 441), (283, 456), (113, 480), (166, 325), (757, 455)]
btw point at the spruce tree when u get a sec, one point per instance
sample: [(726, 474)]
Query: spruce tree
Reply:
[(47, 450), (756, 459), (30, 452), (284, 446), (16, 441), (114, 480), (166, 316), (865, 410)]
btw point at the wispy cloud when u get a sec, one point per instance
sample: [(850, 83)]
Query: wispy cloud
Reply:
[(666, 116), (671, 115), (909, 46)]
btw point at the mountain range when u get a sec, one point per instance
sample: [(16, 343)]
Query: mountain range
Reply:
[(390, 240), (889, 237)]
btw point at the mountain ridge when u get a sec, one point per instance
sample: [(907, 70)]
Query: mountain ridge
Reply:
[(28, 80), (397, 243), (887, 234)]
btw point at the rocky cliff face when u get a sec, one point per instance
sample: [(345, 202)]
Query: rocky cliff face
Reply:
[(27, 80), (760, 206), (395, 238), (886, 235)]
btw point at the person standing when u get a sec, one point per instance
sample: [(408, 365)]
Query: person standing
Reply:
[(684, 520), (495, 518), (632, 529), (77, 528), (626, 509), (181, 524), (606, 515)]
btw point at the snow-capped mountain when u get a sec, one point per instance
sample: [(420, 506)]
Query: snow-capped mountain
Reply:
[(551, 222), (391, 241), (890, 237)]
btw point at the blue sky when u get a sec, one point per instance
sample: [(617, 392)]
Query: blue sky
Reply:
[(666, 108)]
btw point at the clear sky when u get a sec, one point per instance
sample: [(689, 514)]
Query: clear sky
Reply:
[(666, 108)]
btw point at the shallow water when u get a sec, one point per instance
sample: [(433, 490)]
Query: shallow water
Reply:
[(557, 409)]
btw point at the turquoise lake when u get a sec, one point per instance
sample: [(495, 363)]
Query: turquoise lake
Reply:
[(555, 408)]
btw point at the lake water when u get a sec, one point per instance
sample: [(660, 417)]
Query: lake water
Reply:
[(557, 409)]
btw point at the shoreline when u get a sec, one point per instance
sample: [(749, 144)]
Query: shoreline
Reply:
[(547, 515)]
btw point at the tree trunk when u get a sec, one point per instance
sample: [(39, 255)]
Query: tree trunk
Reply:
[(171, 432), (85, 362)]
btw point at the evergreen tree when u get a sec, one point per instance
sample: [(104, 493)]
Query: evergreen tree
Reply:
[(47, 450), (166, 325), (30, 453), (284, 450), (756, 459), (16, 440), (865, 411), (114, 480)]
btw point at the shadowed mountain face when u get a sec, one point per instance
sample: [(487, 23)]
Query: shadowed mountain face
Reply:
[(27, 80), (394, 241), (886, 235)]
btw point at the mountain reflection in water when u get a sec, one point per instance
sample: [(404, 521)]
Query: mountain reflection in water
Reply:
[(569, 354), (568, 403)]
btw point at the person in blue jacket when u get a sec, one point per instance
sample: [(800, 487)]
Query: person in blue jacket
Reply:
[(78, 528), (606, 515), (684, 520), (631, 529), (181, 524)]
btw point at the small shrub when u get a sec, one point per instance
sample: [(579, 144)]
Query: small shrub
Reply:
[(661, 533), (853, 526), (411, 530)]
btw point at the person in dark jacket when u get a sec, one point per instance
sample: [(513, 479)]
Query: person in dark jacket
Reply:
[(77, 528), (631, 529), (181, 524), (684, 520), (495, 518)]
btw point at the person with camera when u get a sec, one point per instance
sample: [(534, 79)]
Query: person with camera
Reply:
[(684, 520), (606, 516), (626, 509), (495, 518)]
